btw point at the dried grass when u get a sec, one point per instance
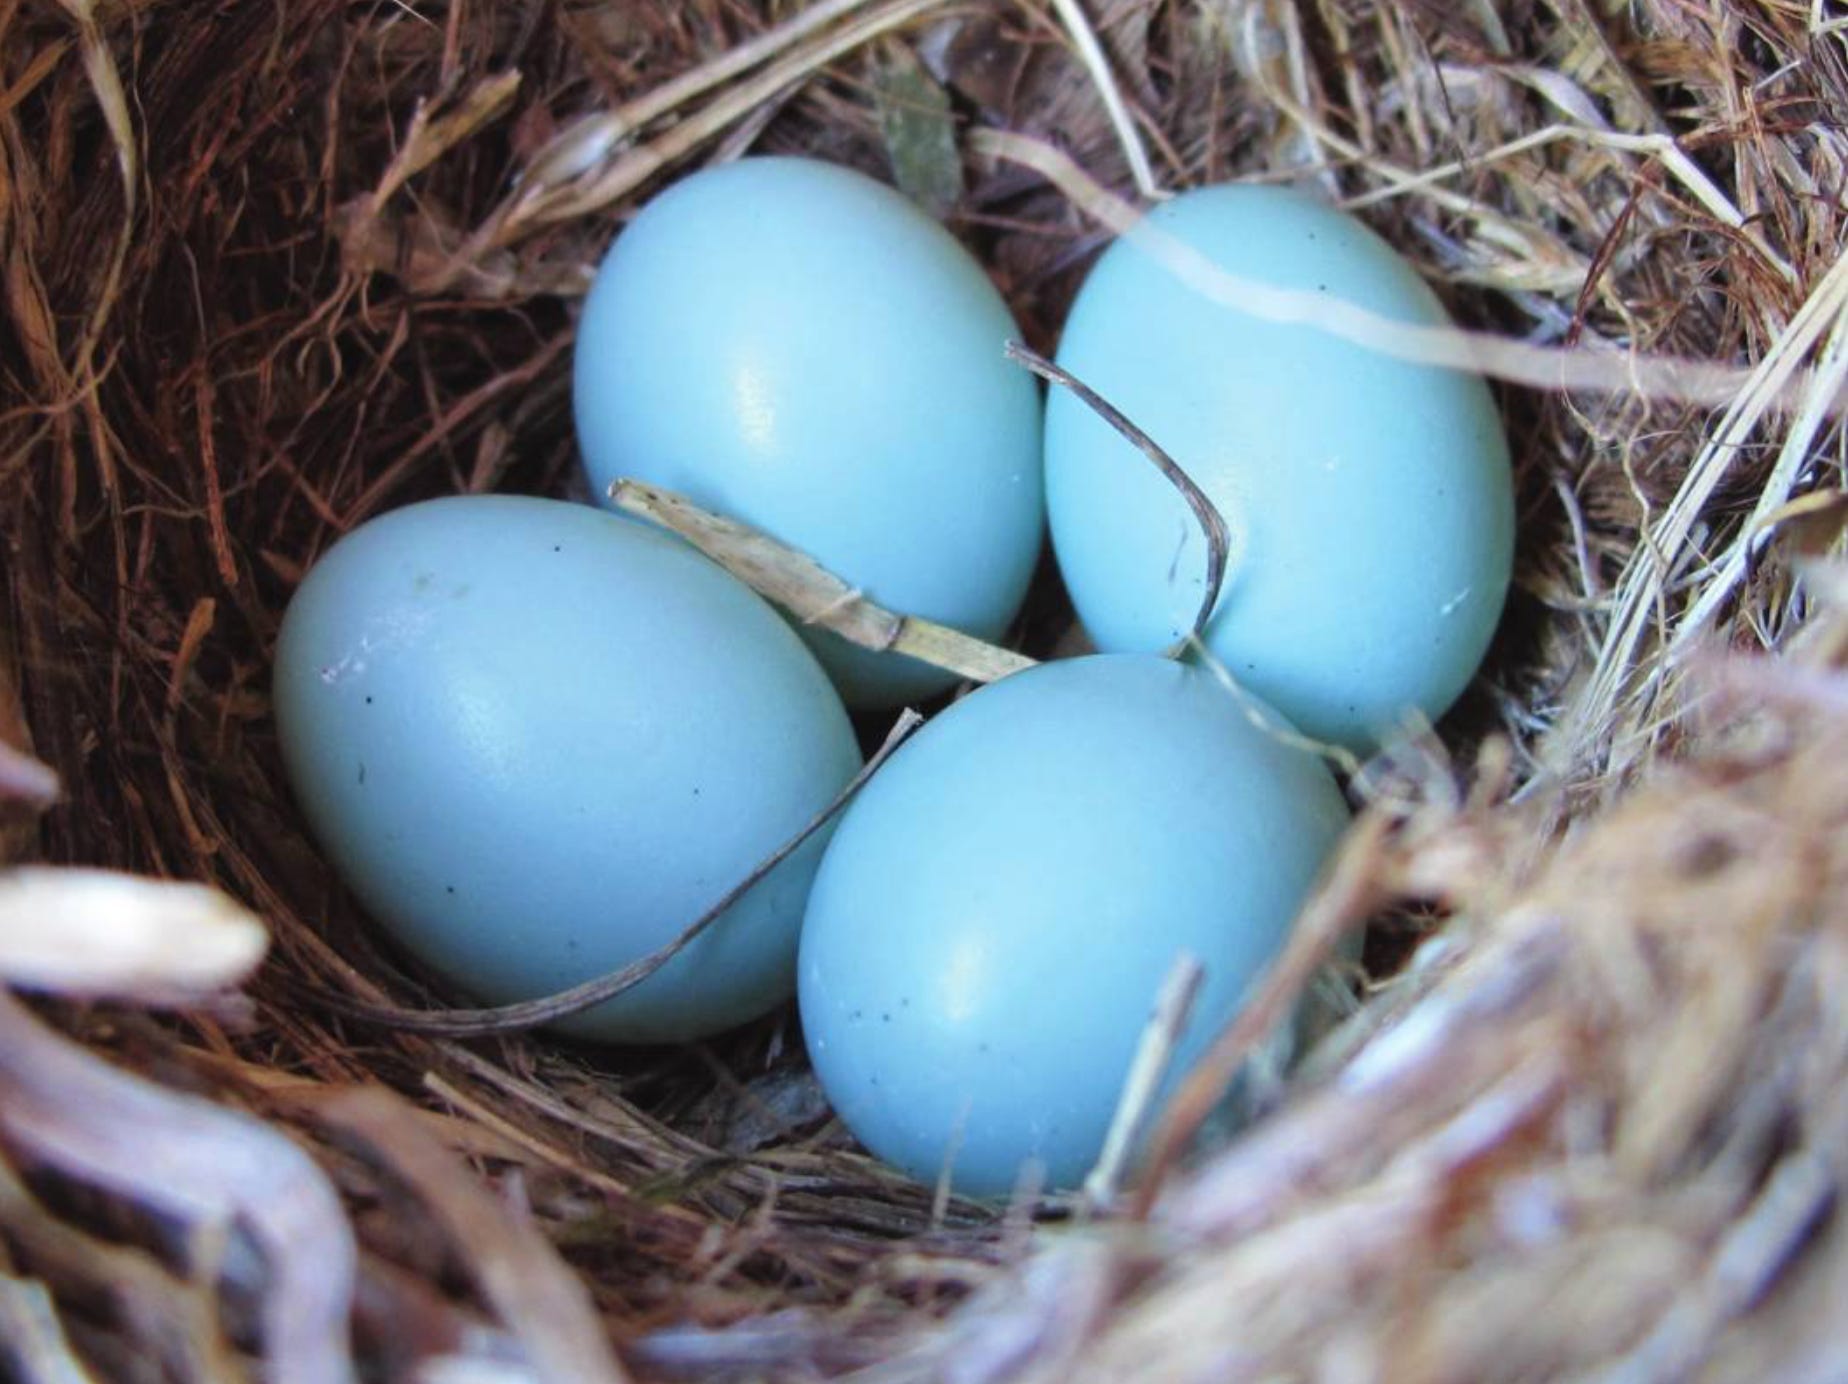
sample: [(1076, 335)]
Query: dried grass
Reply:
[(267, 269)]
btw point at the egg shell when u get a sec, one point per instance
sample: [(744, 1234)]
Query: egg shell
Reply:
[(797, 346), (538, 740), (992, 922), (1370, 500)]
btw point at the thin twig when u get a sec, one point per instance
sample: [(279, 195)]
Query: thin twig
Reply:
[(1351, 891), (592, 140), (1218, 535), (814, 595), (1639, 605), (534, 206), (1677, 378), (1795, 455), (1097, 63), (1154, 1054)]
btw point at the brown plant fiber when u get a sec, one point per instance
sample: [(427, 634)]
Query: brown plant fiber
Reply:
[(268, 269)]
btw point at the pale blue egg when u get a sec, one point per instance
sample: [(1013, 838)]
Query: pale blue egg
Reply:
[(539, 740), (1371, 500), (799, 347), (997, 912)]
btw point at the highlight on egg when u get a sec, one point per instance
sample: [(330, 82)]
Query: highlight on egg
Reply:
[(538, 741), (797, 346), (1000, 905)]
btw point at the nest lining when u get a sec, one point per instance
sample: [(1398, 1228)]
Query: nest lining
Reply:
[(268, 270)]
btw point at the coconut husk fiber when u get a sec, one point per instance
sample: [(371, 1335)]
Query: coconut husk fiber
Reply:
[(268, 269)]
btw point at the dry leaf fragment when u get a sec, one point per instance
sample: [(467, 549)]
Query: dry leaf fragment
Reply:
[(920, 133), (96, 933), (1811, 524)]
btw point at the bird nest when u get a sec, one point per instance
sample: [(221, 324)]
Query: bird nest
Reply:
[(267, 270)]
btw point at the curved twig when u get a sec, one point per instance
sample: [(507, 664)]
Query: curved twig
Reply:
[(1218, 534)]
